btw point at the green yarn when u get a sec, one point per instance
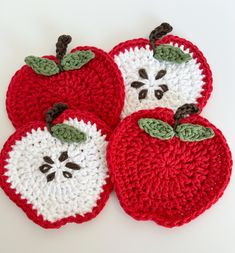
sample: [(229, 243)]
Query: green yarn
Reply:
[(46, 67), (186, 132), (170, 53), (191, 132), (156, 128), (67, 133), (76, 60), (42, 66)]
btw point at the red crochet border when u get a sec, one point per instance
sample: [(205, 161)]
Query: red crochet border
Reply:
[(207, 87), (113, 145), (22, 203)]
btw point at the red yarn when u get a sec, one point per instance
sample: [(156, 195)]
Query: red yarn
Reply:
[(207, 87), (168, 181), (96, 87), (22, 203)]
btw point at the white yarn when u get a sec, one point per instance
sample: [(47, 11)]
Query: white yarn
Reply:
[(62, 197), (183, 80)]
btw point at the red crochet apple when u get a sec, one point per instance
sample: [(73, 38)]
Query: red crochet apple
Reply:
[(57, 172), (162, 72), (87, 78), (166, 168)]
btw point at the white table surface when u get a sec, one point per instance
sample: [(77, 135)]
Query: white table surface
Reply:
[(32, 27)]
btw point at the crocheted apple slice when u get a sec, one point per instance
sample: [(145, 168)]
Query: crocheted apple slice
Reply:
[(162, 72), (87, 78), (58, 173), (166, 168)]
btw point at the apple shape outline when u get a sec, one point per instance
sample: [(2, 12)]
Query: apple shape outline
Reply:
[(97, 87), (188, 82), (59, 165), (170, 182)]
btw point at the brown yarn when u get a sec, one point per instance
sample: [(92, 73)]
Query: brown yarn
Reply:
[(48, 159), (158, 94), (64, 156), (143, 94), (164, 87), (184, 111), (160, 74), (137, 84), (61, 47), (143, 73), (53, 113), (72, 166), (159, 32)]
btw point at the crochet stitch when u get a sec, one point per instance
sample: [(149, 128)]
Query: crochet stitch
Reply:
[(171, 54), (163, 72), (186, 132), (156, 128), (190, 132), (66, 133), (96, 87), (77, 59), (159, 32), (61, 48), (42, 66), (53, 113), (57, 182), (71, 61), (168, 181)]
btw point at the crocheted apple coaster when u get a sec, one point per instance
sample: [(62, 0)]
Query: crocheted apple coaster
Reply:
[(87, 78), (162, 72), (168, 169), (58, 173)]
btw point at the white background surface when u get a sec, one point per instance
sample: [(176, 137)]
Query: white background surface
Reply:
[(32, 27)]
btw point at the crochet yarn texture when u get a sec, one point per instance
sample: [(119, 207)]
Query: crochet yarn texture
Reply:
[(57, 182), (174, 73), (96, 87), (166, 179)]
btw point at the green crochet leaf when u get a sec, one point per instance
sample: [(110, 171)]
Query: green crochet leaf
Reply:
[(156, 128), (170, 53), (191, 132), (42, 66), (67, 133), (77, 59)]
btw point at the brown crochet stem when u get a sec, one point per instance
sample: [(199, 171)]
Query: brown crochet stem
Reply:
[(183, 112), (53, 113), (61, 48), (158, 33)]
